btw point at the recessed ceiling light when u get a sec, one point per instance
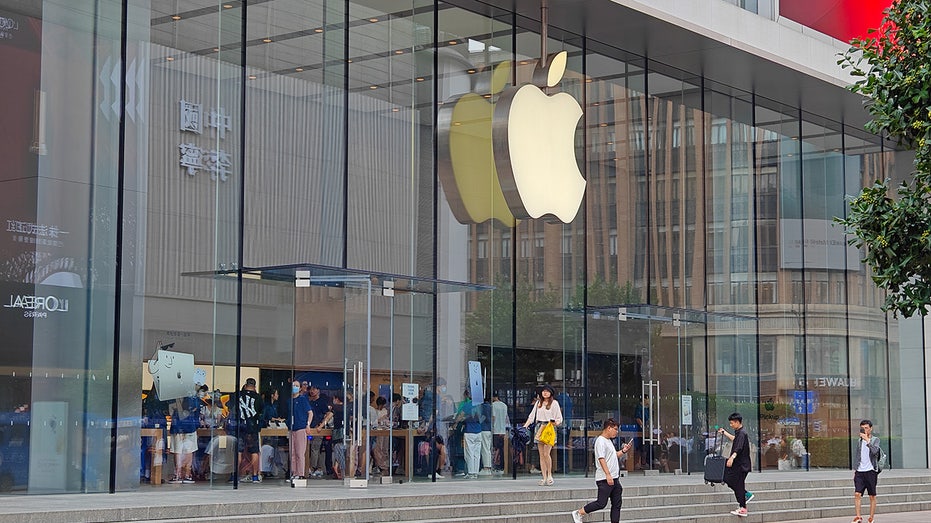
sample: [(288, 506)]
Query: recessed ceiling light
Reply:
[(471, 71), (610, 143), (596, 104), (395, 109), (789, 155), (267, 40), (453, 42), (373, 87), (523, 62), (176, 17), (299, 69), (604, 125), (216, 49), (795, 137), (588, 80), (486, 96), (170, 58), (252, 77), (419, 78), (349, 61), (399, 51), (318, 30), (227, 6), (457, 123), (373, 20)]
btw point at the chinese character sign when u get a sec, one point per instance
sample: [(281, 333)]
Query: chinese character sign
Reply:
[(195, 158)]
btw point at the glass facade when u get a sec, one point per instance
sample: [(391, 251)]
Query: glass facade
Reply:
[(204, 198)]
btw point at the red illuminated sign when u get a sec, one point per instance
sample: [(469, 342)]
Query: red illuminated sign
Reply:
[(842, 19)]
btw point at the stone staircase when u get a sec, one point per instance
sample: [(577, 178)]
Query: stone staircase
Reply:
[(658, 499)]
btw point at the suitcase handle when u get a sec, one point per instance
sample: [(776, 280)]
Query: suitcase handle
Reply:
[(718, 451)]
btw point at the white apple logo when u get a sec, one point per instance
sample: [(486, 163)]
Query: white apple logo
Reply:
[(534, 142)]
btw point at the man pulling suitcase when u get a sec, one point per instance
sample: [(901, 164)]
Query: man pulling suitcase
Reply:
[(738, 463)]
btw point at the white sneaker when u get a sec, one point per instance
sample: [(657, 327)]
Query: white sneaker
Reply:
[(484, 472), (439, 476), (576, 517)]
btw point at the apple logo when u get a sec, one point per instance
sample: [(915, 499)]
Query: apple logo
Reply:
[(467, 170), (534, 146)]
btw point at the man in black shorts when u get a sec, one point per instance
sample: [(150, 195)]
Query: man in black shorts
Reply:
[(865, 468), (251, 407)]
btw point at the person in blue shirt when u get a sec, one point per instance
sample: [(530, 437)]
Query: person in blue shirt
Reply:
[(298, 423)]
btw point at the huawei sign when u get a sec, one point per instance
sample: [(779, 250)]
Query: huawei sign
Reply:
[(842, 19), (514, 159)]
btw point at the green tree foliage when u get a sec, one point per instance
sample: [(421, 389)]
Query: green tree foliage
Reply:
[(893, 70)]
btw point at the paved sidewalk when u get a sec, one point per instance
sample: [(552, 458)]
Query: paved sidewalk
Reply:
[(899, 517)]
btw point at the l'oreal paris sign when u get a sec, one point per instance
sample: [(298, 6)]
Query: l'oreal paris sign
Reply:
[(37, 306)]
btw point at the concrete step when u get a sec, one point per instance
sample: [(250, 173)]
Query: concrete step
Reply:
[(507, 501), (544, 511)]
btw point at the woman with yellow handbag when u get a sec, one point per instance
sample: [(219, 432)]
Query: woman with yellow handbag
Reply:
[(547, 416)]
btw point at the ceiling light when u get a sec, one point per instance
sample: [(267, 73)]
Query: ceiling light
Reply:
[(252, 77), (457, 123), (486, 96), (216, 49), (170, 58), (373, 87), (471, 71), (419, 78), (394, 110), (399, 51), (453, 42), (588, 80), (267, 40), (373, 20), (299, 69), (227, 6), (610, 143), (604, 125), (596, 104), (349, 61), (176, 17), (318, 30)]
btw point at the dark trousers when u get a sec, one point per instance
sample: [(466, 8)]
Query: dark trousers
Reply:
[(605, 492), (736, 480)]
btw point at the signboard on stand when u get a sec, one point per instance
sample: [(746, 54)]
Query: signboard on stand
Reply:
[(687, 410)]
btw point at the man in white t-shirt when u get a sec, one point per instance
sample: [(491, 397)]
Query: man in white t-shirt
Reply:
[(607, 474), (866, 469)]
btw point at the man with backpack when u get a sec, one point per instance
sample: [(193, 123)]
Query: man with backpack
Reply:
[(866, 466)]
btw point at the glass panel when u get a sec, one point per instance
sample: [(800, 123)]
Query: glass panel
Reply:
[(731, 270), (877, 374), (474, 332), (675, 120), (389, 136), (296, 131), (827, 342), (780, 288)]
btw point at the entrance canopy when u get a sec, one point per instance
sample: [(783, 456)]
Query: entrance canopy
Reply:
[(642, 311), (309, 274)]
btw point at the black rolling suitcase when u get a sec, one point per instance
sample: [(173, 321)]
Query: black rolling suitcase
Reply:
[(715, 464)]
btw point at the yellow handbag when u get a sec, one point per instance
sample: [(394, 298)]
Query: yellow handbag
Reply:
[(548, 435)]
